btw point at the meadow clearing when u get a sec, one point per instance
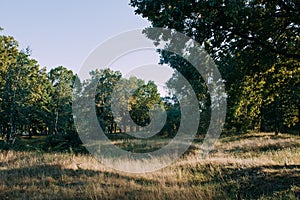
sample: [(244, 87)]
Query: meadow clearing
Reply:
[(249, 166)]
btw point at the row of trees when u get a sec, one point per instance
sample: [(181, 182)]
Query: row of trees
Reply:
[(255, 44), (34, 101), (131, 95)]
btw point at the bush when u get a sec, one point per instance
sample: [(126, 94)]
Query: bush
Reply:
[(65, 143)]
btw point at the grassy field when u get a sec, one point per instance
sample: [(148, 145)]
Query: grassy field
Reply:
[(251, 166)]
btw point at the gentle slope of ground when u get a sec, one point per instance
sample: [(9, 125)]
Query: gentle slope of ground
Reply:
[(251, 166)]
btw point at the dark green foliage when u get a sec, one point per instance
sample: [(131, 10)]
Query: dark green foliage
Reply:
[(110, 87), (61, 119), (33, 102), (69, 142), (24, 91), (255, 44), (246, 39)]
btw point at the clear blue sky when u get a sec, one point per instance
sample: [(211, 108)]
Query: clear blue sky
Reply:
[(64, 32)]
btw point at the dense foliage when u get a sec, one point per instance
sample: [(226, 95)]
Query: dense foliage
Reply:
[(34, 102), (256, 46)]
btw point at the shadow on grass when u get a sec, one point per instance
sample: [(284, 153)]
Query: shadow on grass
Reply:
[(267, 182), (264, 181), (270, 181), (34, 181), (56, 172)]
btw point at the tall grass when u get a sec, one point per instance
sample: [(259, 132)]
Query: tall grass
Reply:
[(252, 166)]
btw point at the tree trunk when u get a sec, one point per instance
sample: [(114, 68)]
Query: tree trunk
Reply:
[(299, 120), (34, 131), (56, 123), (30, 133)]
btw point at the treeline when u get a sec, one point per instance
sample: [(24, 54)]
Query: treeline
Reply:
[(36, 102), (254, 43), (132, 96), (32, 100)]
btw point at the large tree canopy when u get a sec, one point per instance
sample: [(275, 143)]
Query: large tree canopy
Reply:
[(255, 43), (225, 25)]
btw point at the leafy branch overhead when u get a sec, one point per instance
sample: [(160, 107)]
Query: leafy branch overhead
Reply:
[(247, 39)]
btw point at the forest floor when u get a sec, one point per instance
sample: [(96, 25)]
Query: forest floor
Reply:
[(250, 166)]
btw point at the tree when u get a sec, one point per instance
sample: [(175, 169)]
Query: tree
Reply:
[(130, 96), (142, 101), (9, 52), (270, 99), (62, 81), (32, 96), (244, 37), (23, 90), (104, 81), (172, 108), (122, 102)]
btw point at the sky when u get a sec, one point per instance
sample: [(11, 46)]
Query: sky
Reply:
[(65, 32)]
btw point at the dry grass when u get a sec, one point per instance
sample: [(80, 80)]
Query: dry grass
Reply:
[(252, 166)]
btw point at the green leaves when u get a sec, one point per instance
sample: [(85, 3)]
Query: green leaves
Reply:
[(123, 96), (275, 91), (23, 89), (61, 118), (246, 39)]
